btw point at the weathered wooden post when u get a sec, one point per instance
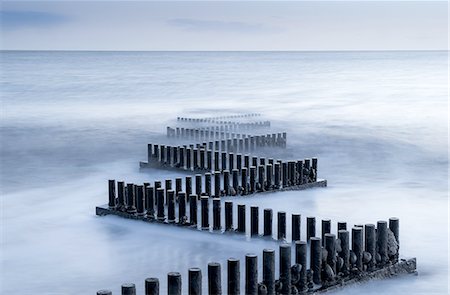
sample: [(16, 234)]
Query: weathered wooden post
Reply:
[(181, 160), (128, 289), (310, 227), (209, 160), (195, 281), (285, 268), (241, 218), (228, 216), (314, 167), (234, 276), (112, 193), (285, 174), (281, 225), (330, 246), (202, 159), (181, 208), (269, 169), (173, 283), (244, 181), (178, 186), (188, 158), (230, 161), (235, 180), (357, 246), (150, 203), (167, 187), (170, 206), (140, 200), (394, 227), (382, 237), (162, 157), (130, 199), (193, 210), (252, 179), (152, 286), (370, 242), (277, 175), (188, 183), (261, 177), (344, 237), (208, 184), (268, 222), (254, 221), (226, 183), (216, 161), (198, 185), (269, 270), (216, 214), (301, 249), (299, 171), (239, 162), (296, 223), (160, 204), (217, 183), (195, 158), (316, 259), (326, 228), (205, 212), (120, 196), (255, 161), (214, 278), (224, 161), (169, 155), (251, 274), (291, 173), (247, 161)]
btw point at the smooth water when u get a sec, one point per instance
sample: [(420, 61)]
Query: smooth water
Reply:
[(377, 121)]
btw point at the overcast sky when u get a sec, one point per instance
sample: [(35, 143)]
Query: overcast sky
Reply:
[(186, 25)]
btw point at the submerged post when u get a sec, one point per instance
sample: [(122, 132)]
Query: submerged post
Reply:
[(152, 286), (234, 276), (310, 227), (301, 249), (241, 218), (296, 223), (251, 274), (254, 221), (174, 283), (285, 268), (128, 289), (269, 270), (214, 278), (195, 281), (316, 259), (281, 225), (268, 222), (228, 216)]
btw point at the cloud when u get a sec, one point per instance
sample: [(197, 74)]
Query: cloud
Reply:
[(220, 26), (11, 19)]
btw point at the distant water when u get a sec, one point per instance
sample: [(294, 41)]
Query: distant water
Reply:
[(377, 121)]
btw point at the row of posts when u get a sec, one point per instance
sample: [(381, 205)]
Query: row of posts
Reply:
[(226, 140), (212, 119), (330, 261)]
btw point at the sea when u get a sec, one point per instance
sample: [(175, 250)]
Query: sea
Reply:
[(376, 120)]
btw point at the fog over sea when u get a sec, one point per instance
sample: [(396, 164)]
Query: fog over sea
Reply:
[(70, 121)]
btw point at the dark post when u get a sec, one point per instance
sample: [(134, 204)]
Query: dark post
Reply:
[(208, 183), (395, 228), (285, 174), (112, 193), (235, 180), (181, 207), (214, 278), (342, 225), (193, 209), (202, 159), (370, 241), (285, 268), (241, 218), (269, 174), (255, 161), (252, 179), (326, 228), (226, 183), (188, 158), (205, 212), (173, 283), (150, 202), (269, 270), (140, 200), (239, 162), (182, 149), (168, 187), (216, 214), (291, 172), (130, 199), (268, 222), (178, 185), (195, 281), (198, 185), (261, 177), (330, 246), (316, 259), (244, 181), (228, 216), (188, 186), (160, 202), (296, 223), (281, 225), (230, 161), (251, 274), (217, 183), (357, 246), (224, 161), (382, 237), (310, 227), (234, 276), (170, 206), (209, 160), (128, 289), (254, 221), (216, 161), (247, 161), (195, 158), (300, 258), (277, 175), (152, 286), (344, 237), (120, 195), (299, 168)]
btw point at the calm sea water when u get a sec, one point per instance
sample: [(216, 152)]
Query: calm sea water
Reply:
[(71, 120)]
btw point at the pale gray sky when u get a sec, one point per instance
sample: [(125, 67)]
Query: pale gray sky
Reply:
[(250, 25)]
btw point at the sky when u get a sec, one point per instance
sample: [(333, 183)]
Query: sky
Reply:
[(224, 25)]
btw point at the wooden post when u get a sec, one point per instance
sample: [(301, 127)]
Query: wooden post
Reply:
[(216, 161), (296, 224), (291, 173), (228, 216), (216, 214), (269, 169), (152, 286), (130, 199), (195, 281), (254, 221), (120, 196), (234, 276), (316, 259), (209, 160), (252, 179), (241, 218), (301, 249), (370, 241), (140, 200), (281, 225), (357, 246), (244, 181), (205, 212), (285, 268), (269, 270), (382, 237), (342, 225), (193, 209), (247, 161), (226, 183), (239, 162), (217, 183), (230, 161), (235, 180), (167, 187), (326, 228), (128, 289), (330, 246), (261, 177), (198, 185), (214, 278), (310, 227), (277, 175), (208, 184), (112, 193), (224, 161), (344, 237), (188, 186), (284, 166), (173, 283), (251, 274), (394, 226), (188, 158), (170, 206), (150, 203), (160, 204), (268, 222), (202, 159), (181, 208)]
